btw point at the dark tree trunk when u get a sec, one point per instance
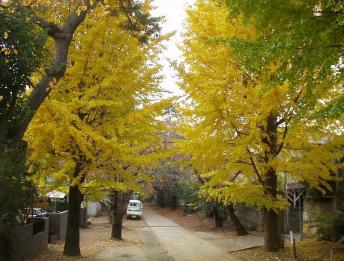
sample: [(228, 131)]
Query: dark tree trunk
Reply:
[(72, 243), (174, 202), (62, 36), (218, 218), (272, 233), (240, 229), (119, 202), (116, 231)]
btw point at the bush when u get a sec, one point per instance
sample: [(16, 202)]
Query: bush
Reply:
[(17, 195), (190, 208), (187, 192), (331, 226)]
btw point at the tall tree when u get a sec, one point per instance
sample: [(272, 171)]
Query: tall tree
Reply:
[(297, 43), (90, 123), (61, 20), (245, 130)]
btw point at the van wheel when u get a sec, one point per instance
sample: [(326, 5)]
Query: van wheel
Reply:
[(128, 217)]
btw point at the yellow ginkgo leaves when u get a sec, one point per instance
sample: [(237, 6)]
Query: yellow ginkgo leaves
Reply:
[(95, 127), (242, 131)]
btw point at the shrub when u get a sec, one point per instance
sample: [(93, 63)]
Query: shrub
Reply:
[(331, 226), (187, 192)]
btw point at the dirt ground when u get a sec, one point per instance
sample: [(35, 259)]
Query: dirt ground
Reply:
[(193, 222), (190, 221), (139, 237), (306, 250), (94, 240)]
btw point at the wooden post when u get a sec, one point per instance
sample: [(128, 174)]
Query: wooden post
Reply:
[(331, 255), (292, 241)]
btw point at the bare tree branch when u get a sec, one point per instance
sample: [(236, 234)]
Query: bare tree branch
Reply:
[(63, 37), (255, 167), (51, 28)]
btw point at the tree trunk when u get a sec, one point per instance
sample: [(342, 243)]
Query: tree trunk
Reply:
[(72, 243), (62, 36), (116, 232), (119, 204), (218, 218), (240, 229), (174, 202), (272, 233)]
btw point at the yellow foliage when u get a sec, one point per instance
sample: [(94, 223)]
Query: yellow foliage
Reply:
[(239, 127), (97, 128)]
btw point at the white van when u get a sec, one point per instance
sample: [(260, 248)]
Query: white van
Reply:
[(134, 209)]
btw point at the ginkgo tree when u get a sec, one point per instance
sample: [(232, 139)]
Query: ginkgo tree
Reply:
[(99, 117), (305, 37), (243, 131), (61, 20)]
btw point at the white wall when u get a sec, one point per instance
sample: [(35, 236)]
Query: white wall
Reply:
[(93, 208)]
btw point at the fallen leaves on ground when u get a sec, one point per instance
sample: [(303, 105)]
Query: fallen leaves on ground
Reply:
[(309, 249), (93, 240)]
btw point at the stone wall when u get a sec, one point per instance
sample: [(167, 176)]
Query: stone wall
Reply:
[(28, 245), (58, 224), (312, 209), (250, 217)]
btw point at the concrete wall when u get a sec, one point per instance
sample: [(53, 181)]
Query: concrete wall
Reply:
[(29, 245), (250, 217), (58, 224), (312, 209)]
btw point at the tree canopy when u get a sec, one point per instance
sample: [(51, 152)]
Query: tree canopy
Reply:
[(246, 126), (96, 131)]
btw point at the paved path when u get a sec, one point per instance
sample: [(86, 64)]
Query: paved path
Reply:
[(182, 244), (164, 240)]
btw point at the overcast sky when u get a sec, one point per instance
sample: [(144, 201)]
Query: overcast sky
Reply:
[(174, 12)]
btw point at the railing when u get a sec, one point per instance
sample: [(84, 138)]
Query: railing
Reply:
[(331, 250)]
